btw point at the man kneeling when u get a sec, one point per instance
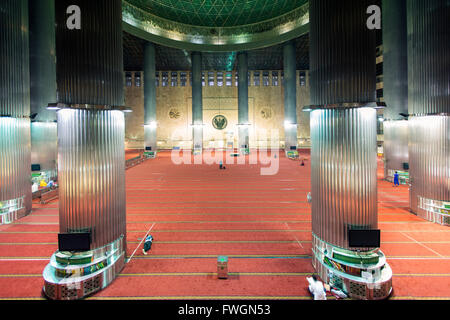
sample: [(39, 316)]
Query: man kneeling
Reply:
[(147, 244)]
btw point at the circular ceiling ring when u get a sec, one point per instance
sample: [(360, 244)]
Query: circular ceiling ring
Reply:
[(152, 28)]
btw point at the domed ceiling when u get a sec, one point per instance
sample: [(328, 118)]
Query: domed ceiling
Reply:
[(216, 25), (218, 13)]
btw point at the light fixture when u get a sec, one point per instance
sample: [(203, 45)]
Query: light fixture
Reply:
[(288, 124), (151, 125), (197, 125)]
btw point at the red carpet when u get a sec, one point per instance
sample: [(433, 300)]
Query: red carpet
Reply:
[(262, 223)]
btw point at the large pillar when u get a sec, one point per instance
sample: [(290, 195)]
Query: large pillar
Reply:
[(344, 148), (43, 85), (91, 151), (243, 102), (395, 63), (429, 108), (197, 102), (150, 124), (15, 160), (290, 95)]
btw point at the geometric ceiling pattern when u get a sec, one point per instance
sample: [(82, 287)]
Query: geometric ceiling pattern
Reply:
[(270, 58), (217, 13)]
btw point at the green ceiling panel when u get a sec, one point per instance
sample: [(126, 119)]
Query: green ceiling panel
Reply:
[(217, 13)]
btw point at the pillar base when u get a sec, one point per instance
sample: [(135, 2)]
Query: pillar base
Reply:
[(12, 210), (291, 154), (362, 275), (150, 154), (75, 275), (244, 151), (434, 210), (197, 151)]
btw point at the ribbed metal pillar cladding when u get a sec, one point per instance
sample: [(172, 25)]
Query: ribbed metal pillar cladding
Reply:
[(395, 78), (343, 167), (43, 84), (429, 150), (42, 59), (395, 59), (429, 101), (14, 62), (290, 94), (243, 99), (428, 56), (15, 163), (91, 146), (342, 60), (197, 100), (150, 96), (149, 83), (91, 174), (90, 60), (395, 147), (342, 53)]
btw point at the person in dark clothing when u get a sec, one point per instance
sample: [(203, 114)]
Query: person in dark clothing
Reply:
[(147, 244)]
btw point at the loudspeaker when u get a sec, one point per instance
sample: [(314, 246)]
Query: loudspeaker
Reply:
[(74, 241), (364, 238)]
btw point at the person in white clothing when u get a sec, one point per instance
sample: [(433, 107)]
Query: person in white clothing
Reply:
[(316, 288)]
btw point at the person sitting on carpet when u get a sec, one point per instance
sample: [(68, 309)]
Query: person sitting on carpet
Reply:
[(316, 288), (147, 244)]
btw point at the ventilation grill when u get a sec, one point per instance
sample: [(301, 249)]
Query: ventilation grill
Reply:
[(50, 290), (92, 285), (381, 292), (69, 293), (357, 290)]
